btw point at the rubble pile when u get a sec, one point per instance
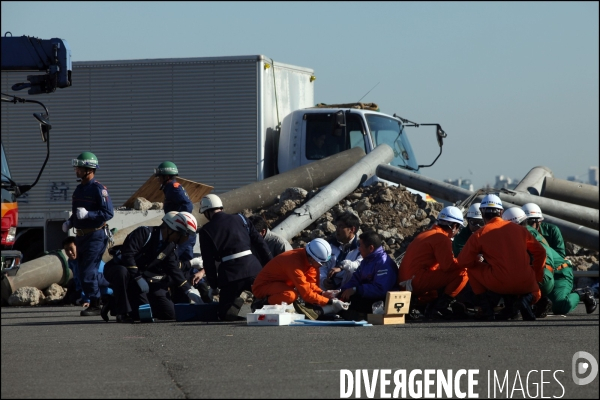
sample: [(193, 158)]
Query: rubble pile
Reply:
[(395, 213)]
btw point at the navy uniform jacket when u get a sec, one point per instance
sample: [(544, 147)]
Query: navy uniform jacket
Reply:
[(224, 235), (94, 197), (143, 246), (176, 198)]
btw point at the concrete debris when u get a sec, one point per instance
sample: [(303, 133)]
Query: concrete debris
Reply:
[(157, 206), (26, 296), (142, 204), (54, 294)]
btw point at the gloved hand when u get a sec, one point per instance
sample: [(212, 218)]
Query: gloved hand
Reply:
[(346, 264), (195, 262), (194, 296), (331, 294), (82, 213), (339, 305), (66, 226), (142, 284)]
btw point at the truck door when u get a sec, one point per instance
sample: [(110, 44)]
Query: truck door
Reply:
[(322, 139)]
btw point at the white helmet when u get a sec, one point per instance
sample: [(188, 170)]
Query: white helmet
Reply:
[(210, 202), (532, 210), (514, 214), (182, 222), (191, 225), (451, 214), (491, 201), (319, 249), (474, 211)]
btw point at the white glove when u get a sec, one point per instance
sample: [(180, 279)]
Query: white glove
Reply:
[(194, 296), (339, 305), (82, 213), (346, 264), (66, 226), (196, 262), (142, 284)]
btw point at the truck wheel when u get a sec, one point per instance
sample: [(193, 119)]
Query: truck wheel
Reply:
[(35, 250)]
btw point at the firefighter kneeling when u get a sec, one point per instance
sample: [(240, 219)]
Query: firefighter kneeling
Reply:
[(139, 273)]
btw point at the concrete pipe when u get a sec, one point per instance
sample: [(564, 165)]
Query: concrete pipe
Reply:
[(574, 233), (334, 192), (534, 180), (571, 192), (40, 273)]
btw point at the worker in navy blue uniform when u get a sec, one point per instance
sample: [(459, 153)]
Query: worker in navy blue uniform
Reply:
[(91, 210), (143, 267), (376, 275), (176, 199), (226, 240)]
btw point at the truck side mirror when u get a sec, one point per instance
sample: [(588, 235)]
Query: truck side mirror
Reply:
[(440, 135)]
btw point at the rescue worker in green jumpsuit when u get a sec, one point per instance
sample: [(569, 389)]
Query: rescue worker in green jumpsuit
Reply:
[(558, 275), (475, 221), (548, 231)]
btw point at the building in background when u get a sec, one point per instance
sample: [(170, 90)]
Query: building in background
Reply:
[(463, 183), (593, 176), (504, 182)]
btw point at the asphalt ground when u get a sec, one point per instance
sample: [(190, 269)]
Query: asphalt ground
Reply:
[(52, 352)]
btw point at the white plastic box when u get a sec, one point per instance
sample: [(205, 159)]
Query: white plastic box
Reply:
[(272, 319)]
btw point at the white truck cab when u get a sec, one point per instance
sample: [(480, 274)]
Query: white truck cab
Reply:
[(313, 133)]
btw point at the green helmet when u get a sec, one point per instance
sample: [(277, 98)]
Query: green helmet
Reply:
[(86, 159), (166, 168)]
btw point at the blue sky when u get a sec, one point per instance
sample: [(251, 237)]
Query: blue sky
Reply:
[(514, 84)]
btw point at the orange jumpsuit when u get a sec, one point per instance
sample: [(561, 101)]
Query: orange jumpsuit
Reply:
[(507, 268), (287, 276), (429, 258)]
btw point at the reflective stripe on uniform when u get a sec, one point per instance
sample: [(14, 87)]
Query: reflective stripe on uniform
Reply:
[(236, 255)]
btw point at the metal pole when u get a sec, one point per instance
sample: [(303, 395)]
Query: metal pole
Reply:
[(571, 192), (334, 192), (534, 180)]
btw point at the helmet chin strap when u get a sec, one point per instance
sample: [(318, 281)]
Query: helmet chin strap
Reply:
[(87, 172), (164, 181)]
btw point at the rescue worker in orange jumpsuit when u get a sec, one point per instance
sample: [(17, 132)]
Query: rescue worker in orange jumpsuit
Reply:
[(429, 265), (505, 268), (292, 274)]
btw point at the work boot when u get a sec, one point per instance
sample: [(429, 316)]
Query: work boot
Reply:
[(308, 312), (487, 309), (257, 304), (93, 309), (590, 302), (106, 308), (438, 309), (234, 310), (510, 311), (542, 307), (124, 319), (524, 304)]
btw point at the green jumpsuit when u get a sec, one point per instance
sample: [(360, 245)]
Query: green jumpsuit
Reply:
[(460, 240), (554, 238), (558, 283)]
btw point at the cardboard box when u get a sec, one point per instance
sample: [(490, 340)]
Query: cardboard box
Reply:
[(196, 312), (272, 319), (397, 305)]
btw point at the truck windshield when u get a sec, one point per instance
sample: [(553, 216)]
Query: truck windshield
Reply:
[(391, 132), (5, 170)]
